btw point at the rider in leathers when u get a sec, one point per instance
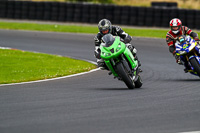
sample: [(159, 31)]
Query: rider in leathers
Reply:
[(105, 27)]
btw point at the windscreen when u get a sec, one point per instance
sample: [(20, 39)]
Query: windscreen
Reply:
[(108, 40), (182, 39)]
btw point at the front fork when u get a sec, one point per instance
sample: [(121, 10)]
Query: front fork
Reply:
[(111, 63), (187, 58), (131, 71)]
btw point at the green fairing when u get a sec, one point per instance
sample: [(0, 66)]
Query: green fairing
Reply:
[(105, 50), (107, 55), (130, 58)]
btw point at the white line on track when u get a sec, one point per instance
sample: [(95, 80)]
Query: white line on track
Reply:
[(78, 74), (191, 132)]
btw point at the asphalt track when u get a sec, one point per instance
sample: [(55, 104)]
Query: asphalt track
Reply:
[(168, 102)]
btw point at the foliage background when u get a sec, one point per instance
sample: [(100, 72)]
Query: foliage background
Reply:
[(188, 4)]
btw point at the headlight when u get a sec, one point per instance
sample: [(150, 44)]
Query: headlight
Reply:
[(118, 47), (106, 54), (182, 52)]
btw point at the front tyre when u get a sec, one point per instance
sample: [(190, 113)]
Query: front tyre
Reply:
[(125, 76), (195, 65)]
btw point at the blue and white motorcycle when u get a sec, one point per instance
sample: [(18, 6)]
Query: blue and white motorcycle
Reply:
[(189, 52)]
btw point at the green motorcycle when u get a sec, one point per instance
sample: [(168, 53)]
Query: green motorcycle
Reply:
[(120, 61)]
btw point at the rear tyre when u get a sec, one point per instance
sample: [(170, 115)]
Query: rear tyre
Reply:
[(138, 83), (124, 75), (195, 65)]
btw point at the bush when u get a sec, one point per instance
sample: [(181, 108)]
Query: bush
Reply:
[(95, 1)]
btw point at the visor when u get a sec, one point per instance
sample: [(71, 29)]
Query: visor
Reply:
[(105, 31), (174, 28)]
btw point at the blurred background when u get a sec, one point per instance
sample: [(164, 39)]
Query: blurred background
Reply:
[(188, 4), (151, 13)]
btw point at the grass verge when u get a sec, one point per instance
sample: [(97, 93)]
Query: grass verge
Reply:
[(136, 32), (188, 4), (20, 66)]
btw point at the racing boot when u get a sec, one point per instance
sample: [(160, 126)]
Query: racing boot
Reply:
[(186, 70), (187, 67), (101, 64), (178, 59), (134, 54)]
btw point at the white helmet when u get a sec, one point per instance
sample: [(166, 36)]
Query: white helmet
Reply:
[(175, 25)]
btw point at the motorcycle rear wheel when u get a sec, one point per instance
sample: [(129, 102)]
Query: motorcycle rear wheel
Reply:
[(125, 76), (138, 83)]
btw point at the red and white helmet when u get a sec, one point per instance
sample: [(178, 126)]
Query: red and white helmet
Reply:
[(175, 25)]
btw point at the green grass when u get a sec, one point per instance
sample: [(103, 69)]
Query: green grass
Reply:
[(187, 4), (48, 27), (146, 32), (20, 66), (136, 32)]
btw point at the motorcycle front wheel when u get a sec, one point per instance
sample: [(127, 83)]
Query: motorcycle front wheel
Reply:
[(195, 65), (125, 76)]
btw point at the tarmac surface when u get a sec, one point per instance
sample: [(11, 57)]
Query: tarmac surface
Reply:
[(168, 102)]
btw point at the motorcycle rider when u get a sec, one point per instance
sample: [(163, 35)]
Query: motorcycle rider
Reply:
[(105, 27), (172, 36)]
